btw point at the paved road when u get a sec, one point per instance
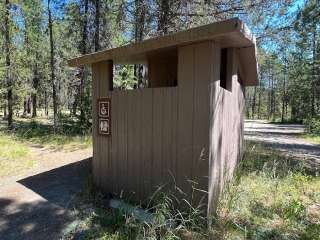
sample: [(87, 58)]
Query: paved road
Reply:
[(283, 137), (39, 206)]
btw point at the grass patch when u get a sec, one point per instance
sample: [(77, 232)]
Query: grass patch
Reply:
[(39, 131), (16, 152), (312, 138), (14, 156), (98, 221), (271, 197)]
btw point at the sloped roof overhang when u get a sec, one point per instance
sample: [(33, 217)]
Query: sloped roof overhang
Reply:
[(229, 33)]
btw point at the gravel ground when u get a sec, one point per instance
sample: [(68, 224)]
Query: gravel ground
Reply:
[(38, 203), (284, 137)]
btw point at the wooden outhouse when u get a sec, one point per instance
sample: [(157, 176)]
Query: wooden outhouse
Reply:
[(186, 126)]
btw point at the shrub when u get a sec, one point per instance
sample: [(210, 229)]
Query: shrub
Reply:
[(313, 125)]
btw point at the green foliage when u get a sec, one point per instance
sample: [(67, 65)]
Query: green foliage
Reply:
[(39, 131), (270, 198), (168, 221), (313, 125), (14, 156), (124, 77)]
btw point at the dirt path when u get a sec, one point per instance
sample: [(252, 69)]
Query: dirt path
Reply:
[(283, 137), (37, 204)]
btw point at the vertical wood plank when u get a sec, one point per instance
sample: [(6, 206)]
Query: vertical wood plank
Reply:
[(114, 141), (123, 142), (102, 75), (166, 134), (95, 141), (157, 136), (137, 140), (106, 71), (131, 143), (185, 116), (174, 133), (146, 142), (203, 71)]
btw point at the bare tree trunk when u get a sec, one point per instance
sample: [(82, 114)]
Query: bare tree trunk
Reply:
[(54, 94), (272, 97), (140, 19), (8, 64), (260, 93), (254, 102), (25, 106), (284, 92), (97, 26), (83, 48), (269, 94), (5, 109), (314, 77), (35, 83), (163, 17), (46, 103)]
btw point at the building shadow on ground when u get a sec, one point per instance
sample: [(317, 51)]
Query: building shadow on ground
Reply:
[(38, 207)]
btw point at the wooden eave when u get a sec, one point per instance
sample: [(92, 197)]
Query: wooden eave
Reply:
[(229, 33)]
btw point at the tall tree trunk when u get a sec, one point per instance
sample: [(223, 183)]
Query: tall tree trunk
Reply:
[(259, 98), (163, 17), (8, 64), (254, 102), (314, 77), (140, 19), (284, 92), (46, 103), (52, 67), (269, 95), (83, 47), (35, 84), (97, 26), (29, 105), (5, 109)]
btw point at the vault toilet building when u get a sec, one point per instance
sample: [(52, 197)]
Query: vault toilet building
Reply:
[(186, 125)]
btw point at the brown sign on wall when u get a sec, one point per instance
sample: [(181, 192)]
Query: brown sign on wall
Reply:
[(104, 116)]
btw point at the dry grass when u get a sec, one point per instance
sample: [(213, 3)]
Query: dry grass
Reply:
[(315, 139), (14, 156), (272, 197), (17, 146)]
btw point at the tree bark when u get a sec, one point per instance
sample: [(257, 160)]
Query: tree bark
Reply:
[(260, 93), (83, 48), (163, 17), (140, 18), (52, 67), (254, 102), (284, 92), (314, 77), (46, 103), (97, 26), (9, 80), (35, 84)]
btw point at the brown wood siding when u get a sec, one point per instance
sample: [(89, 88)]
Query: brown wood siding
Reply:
[(102, 73), (160, 133), (226, 128)]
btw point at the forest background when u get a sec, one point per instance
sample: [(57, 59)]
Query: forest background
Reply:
[(37, 37)]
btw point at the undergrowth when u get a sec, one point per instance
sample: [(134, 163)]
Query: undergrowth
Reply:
[(99, 221), (272, 196), (39, 131), (14, 156)]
